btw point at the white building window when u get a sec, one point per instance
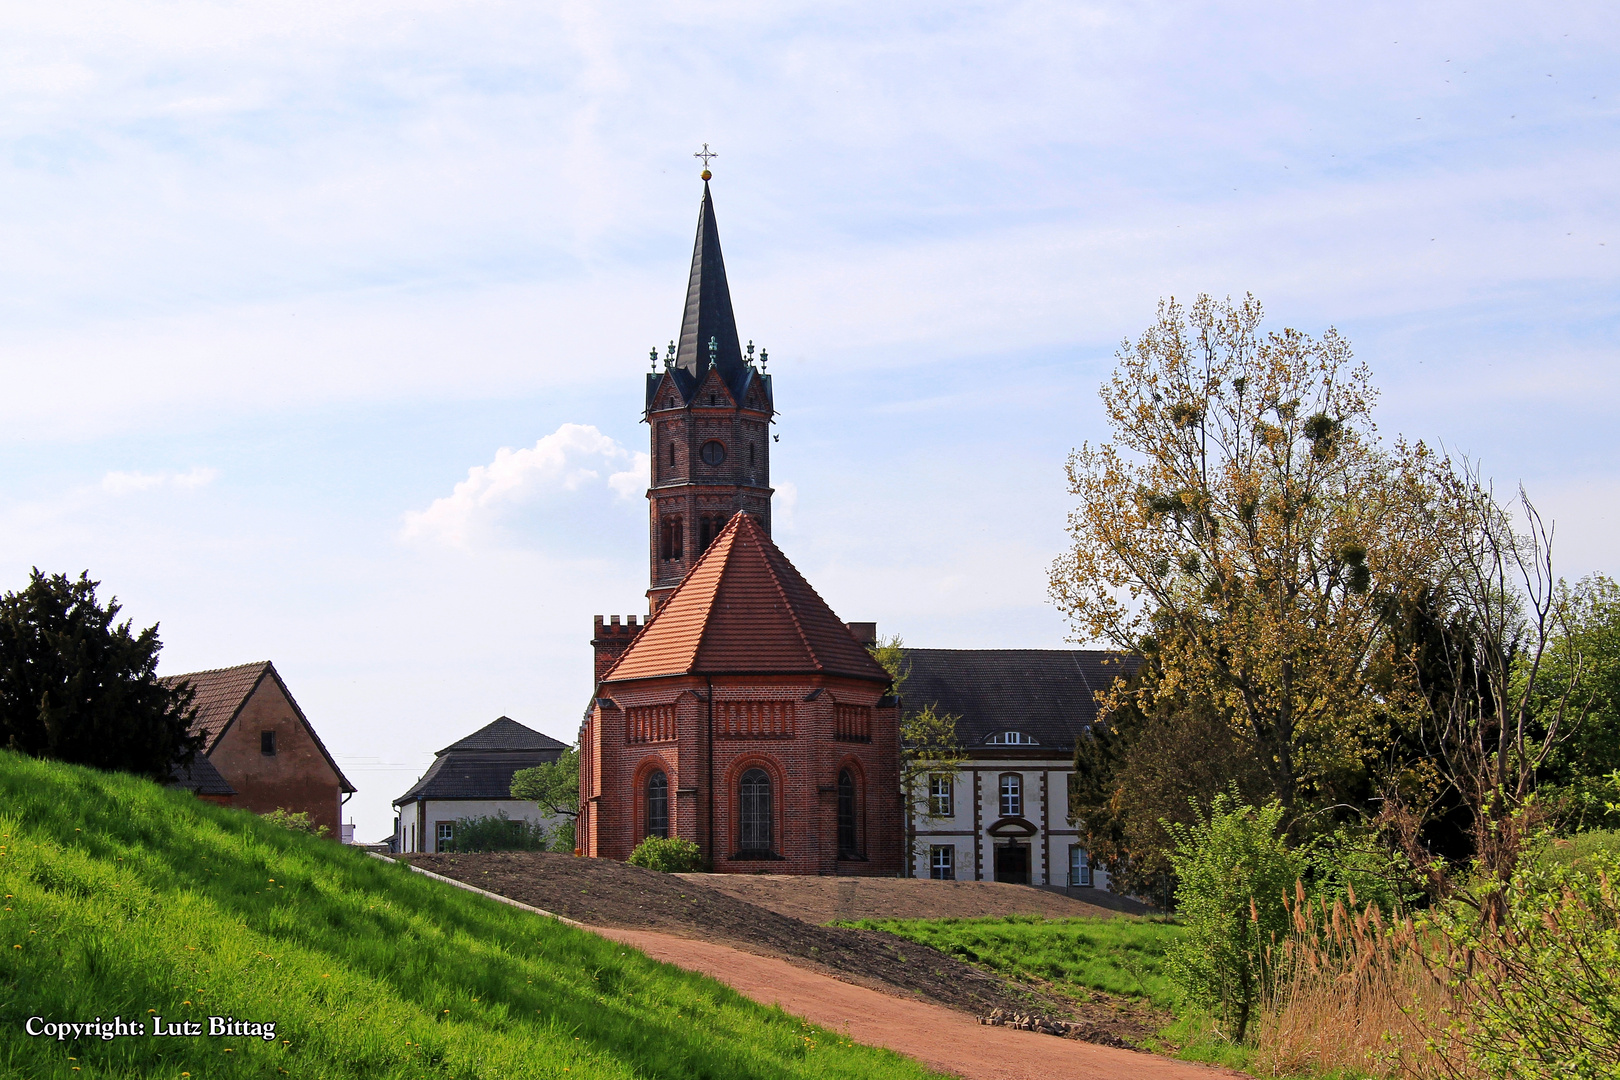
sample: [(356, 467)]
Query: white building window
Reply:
[(1010, 738), (1079, 866), (1012, 795), (446, 832), (942, 862), (941, 802)]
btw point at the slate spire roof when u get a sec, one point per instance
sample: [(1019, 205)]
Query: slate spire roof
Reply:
[(744, 609), (708, 309)]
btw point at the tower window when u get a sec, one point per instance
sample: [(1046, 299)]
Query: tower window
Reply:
[(713, 452), (750, 453), (672, 455), (670, 540), (658, 805)]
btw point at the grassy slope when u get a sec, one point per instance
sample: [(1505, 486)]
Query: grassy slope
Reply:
[(1120, 955), (128, 899)]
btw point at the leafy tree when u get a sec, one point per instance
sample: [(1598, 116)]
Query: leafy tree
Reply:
[(554, 787), (77, 686), (1139, 770), (1587, 651), (1235, 873), (929, 749), (1244, 518)]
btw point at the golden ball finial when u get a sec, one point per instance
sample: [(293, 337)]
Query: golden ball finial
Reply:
[(707, 175)]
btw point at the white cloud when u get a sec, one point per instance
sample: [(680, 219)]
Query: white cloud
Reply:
[(125, 483), (573, 458)]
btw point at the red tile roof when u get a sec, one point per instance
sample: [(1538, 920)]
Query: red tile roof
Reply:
[(744, 609), (220, 693)]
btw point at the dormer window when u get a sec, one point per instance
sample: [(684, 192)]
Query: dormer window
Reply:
[(1010, 738)]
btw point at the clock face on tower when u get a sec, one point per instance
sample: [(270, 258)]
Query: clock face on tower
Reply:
[(713, 452)]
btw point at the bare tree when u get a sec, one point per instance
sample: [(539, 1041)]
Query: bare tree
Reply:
[(1493, 727)]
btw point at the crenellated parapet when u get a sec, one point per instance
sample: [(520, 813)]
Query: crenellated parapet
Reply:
[(611, 638)]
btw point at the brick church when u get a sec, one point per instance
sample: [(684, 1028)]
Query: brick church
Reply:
[(742, 713)]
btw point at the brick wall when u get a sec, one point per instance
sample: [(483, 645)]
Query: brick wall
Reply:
[(799, 750), (296, 777)]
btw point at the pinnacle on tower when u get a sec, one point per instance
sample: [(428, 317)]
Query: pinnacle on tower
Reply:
[(708, 328)]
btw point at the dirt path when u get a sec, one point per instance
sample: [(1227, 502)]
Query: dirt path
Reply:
[(941, 1038)]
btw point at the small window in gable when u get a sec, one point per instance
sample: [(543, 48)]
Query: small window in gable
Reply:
[(267, 743), (1010, 738)]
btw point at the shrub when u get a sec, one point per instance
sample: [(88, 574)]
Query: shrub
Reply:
[(298, 822), (1234, 872), (496, 832), (562, 837), (670, 854), (1533, 977)]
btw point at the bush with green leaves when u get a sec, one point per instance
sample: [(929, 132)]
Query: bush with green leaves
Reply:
[(1234, 872), (1532, 970), (496, 832), (297, 822), (670, 854)]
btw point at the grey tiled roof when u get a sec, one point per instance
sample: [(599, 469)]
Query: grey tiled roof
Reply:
[(506, 734), (200, 778), (475, 774), (1048, 694)]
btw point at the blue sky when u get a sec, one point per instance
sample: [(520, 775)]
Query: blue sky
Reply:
[(278, 278)]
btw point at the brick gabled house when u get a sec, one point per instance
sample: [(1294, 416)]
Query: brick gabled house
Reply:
[(746, 717), (260, 743)]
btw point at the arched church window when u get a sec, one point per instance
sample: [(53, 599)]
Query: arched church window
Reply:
[(846, 814), (672, 455), (754, 832), (657, 805)]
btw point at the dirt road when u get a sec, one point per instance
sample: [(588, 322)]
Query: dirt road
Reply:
[(941, 1038)]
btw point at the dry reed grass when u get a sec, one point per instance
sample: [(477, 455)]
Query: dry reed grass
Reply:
[(1355, 994)]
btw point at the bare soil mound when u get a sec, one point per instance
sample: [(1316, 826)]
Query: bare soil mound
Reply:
[(829, 899), (601, 892)]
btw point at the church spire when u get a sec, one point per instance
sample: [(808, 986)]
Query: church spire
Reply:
[(708, 328)]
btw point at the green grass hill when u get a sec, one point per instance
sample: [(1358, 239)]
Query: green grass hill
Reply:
[(126, 900)]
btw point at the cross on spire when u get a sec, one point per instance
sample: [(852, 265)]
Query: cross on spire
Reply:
[(706, 154)]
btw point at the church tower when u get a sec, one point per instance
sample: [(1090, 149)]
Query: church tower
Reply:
[(710, 412)]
